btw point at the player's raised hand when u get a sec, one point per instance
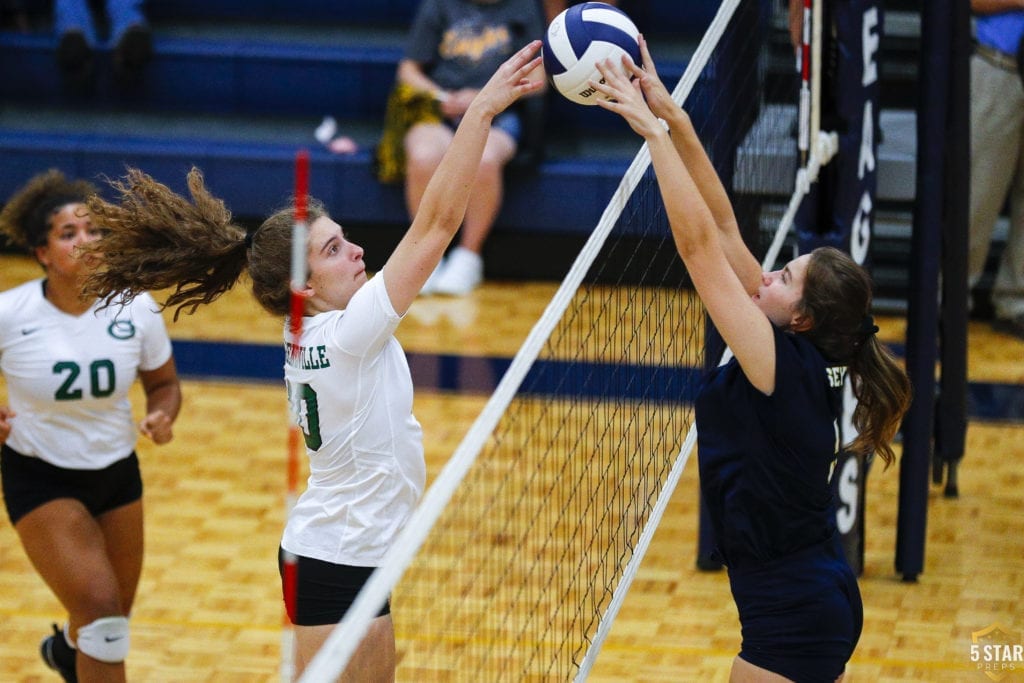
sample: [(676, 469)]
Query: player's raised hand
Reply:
[(511, 81), (625, 98), (658, 97)]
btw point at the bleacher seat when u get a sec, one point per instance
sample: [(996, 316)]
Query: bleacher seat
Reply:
[(236, 87)]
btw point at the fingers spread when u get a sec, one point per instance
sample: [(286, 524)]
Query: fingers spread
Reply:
[(522, 59), (645, 57)]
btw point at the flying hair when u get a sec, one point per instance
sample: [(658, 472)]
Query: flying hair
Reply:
[(155, 239)]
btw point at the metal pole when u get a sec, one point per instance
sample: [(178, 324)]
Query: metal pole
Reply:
[(922, 314), (951, 424)]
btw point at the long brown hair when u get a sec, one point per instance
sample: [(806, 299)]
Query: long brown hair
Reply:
[(837, 298), (155, 239)]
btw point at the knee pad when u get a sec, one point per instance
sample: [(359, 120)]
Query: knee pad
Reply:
[(105, 639)]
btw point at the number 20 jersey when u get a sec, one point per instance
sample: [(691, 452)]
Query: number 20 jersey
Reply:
[(68, 376)]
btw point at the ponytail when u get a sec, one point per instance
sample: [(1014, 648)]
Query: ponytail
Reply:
[(155, 239), (837, 298), (883, 395)]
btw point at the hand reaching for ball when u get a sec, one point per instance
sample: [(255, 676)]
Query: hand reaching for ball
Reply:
[(657, 95), (510, 82), (622, 86)]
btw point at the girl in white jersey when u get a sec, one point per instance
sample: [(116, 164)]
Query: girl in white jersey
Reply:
[(349, 386), (71, 478)]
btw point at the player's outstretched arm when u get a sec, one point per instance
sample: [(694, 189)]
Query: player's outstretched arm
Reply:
[(690, 149), (444, 202), (744, 327)]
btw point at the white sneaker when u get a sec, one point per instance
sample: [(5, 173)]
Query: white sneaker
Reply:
[(326, 131), (463, 271), (430, 286)]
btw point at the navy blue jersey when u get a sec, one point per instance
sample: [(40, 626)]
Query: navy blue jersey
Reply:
[(765, 461)]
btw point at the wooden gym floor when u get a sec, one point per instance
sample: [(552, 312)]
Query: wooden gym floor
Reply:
[(209, 606)]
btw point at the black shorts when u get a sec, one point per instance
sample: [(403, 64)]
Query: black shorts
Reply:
[(801, 616), (325, 590), (31, 482)]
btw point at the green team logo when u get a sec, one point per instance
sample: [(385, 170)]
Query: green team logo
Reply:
[(121, 329)]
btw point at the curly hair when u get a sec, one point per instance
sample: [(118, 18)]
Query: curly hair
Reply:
[(25, 219), (837, 297), (156, 239)]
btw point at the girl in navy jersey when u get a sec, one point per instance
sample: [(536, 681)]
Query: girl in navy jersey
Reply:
[(768, 420), (71, 478), (349, 387)]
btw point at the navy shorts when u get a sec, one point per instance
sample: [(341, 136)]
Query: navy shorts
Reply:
[(507, 121), (325, 590), (801, 615), (30, 482)]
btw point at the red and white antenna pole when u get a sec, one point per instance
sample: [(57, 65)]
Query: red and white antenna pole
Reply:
[(295, 441), (804, 138)]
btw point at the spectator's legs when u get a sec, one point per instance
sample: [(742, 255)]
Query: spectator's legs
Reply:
[(122, 15), (488, 191), (425, 144), (74, 15), (130, 35), (464, 269), (76, 41), (1008, 291), (993, 117)]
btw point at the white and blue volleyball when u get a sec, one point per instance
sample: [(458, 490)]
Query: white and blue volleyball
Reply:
[(581, 37)]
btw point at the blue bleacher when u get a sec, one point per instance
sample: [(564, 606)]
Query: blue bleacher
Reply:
[(237, 86)]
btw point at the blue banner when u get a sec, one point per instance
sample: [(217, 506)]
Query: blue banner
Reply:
[(840, 210)]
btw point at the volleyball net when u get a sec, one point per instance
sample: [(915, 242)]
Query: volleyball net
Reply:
[(515, 563)]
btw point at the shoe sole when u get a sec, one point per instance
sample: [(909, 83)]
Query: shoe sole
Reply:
[(73, 52), (133, 52)]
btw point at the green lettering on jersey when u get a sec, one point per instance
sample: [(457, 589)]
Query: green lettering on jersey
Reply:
[(302, 400), (102, 379)]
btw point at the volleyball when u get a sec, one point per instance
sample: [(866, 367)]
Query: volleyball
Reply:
[(578, 39)]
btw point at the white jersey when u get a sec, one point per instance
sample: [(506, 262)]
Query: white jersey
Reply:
[(68, 376), (350, 390)]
